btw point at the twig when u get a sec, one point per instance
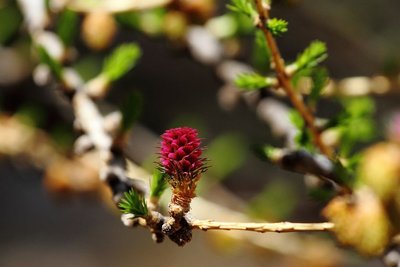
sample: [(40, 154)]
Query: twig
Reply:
[(285, 83), (204, 208), (280, 227), (300, 247)]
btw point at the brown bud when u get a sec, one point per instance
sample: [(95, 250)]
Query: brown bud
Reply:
[(201, 9), (380, 169), (175, 24), (360, 221), (98, 30)]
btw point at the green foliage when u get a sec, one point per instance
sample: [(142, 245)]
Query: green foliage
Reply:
[(149, 21), (356, 123), (67, 26), (311, 56), (276, 202), (224, 26), (267, 153), (261, 55), (253, 81), (131, 109), (32, 114), (359, 107), (277, 26), (158, 184), (152, 21), (129, 19), (353, 162), (303, 139), (62, 136), (133, 202), (270, 152), (55, 66), (344, 174), (245, 25), (298, 74), (243, 14), (321, 193), (227, 153), (121, 61), (296, 119), (88, 66), (243, 7), (10, 21), (319, 77)]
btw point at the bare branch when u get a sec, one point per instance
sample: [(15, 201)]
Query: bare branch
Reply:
[(281, 227)]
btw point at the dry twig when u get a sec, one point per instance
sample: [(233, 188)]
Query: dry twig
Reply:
[(281, 227)]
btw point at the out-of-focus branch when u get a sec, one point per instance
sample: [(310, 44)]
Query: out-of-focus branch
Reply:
[(88, 118), (112, 170), (301, 161)]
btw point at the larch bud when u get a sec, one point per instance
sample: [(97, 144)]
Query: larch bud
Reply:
[(98, 30)]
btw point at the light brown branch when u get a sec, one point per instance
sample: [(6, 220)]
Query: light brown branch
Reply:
[(280, 227), (285, 82), (205, 225)]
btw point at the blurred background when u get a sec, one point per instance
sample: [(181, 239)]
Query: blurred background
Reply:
[(40, 226)]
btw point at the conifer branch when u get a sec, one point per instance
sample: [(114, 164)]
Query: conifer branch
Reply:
[(284, 80)]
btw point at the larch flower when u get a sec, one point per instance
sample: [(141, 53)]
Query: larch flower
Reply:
[(180, 153), (180, 159)]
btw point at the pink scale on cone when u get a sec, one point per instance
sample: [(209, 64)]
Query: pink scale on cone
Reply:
[(181, 153)]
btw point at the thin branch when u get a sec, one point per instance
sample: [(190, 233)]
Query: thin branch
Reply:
[(205, 225), (280, 227), (284, 81)]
